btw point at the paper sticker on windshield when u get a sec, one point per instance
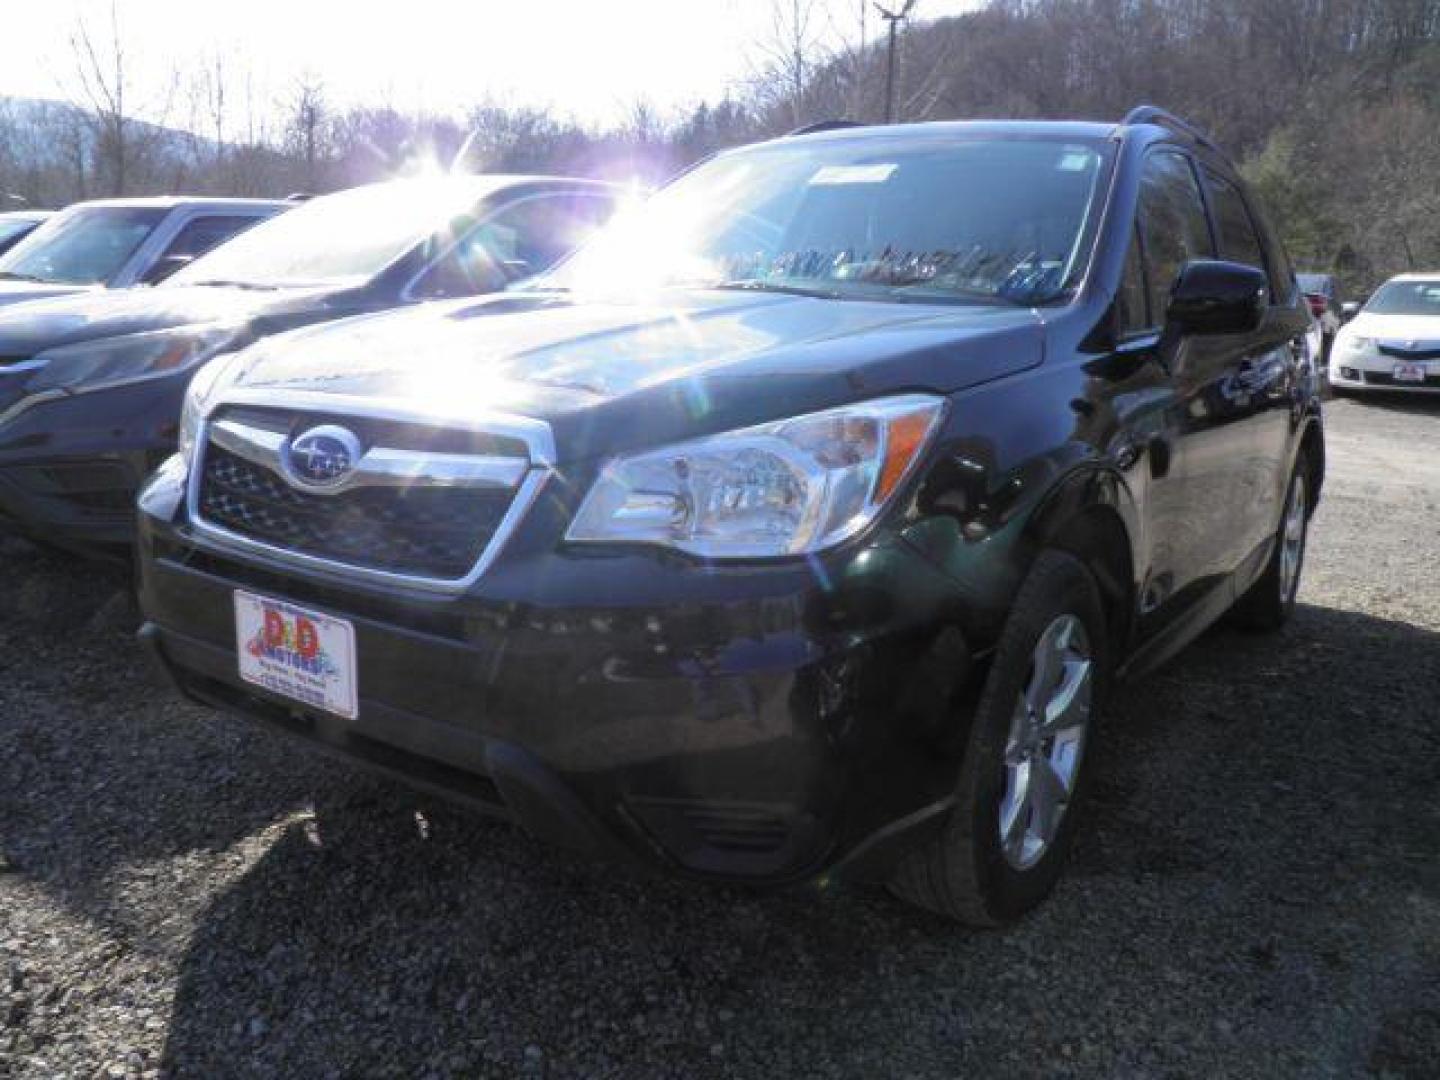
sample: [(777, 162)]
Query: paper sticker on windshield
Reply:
[(853, 174), (1076, 161)]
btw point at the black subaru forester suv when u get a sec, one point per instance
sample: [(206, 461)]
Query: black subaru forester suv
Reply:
[(798, 526)]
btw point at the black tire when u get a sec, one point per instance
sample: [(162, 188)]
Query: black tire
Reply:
[(963, 873), (1268, 604)]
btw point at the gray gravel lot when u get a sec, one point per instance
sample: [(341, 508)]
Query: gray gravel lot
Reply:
[(1255, 893)]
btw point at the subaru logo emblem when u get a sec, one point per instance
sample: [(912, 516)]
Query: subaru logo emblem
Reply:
[(322, 457)]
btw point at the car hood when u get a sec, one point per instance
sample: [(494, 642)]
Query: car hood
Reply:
[(608, 375), (1396, 328), (16, 292), (46, 324)]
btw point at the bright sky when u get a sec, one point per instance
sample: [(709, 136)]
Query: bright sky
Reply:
[(592, 59)]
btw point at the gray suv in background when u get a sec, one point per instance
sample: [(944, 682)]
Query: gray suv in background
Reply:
[(115, 243), (91, 385)]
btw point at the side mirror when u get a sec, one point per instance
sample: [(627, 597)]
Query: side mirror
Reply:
[(162, 268), (1214, 297), (1349, 310)]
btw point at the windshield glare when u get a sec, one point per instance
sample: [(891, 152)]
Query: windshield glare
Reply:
[(335, 239), (83, 246), (987, 220), (1407, 298)]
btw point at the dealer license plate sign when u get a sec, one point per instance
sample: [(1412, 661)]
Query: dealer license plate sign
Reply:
[(299, 654), (1409, 372)]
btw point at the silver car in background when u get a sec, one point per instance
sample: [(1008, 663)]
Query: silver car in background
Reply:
[(1394, 342)]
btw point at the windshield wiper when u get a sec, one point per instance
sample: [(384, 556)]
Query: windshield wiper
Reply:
[(925, 291), (757, 285), (221, 283), (11, 275), (521, 287)]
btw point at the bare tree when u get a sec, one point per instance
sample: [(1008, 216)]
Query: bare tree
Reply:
[(308, 130), (105, 90), (213, 89), (789, 53)]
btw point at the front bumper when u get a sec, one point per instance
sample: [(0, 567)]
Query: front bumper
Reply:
[(1374, 371), (763, 724), (70, 467)]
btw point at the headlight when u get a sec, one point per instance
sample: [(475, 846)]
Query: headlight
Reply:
[(117, 361), (1359, 344), (788, 488), (197, 401)]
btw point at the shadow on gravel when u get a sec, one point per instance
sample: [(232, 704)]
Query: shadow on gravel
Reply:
[(102, 768), (1255, 893)]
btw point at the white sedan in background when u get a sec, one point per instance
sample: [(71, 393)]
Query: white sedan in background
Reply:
[(1394, 342)]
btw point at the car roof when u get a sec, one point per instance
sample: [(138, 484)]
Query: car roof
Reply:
[(171, 202), (941, 130), (465, 185), (1418, 275), (479, 185), (1146, 123)]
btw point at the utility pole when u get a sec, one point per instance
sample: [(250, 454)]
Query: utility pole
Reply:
[(894, 18)]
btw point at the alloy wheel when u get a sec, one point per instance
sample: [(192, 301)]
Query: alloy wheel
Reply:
[(1047, 739)]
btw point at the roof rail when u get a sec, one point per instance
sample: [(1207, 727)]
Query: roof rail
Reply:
[(823, 125), (1153, 114)]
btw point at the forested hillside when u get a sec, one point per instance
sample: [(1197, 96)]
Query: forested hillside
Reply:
[(1332, 105)]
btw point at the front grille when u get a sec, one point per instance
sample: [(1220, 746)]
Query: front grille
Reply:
[(1425, 351), (434, 532)]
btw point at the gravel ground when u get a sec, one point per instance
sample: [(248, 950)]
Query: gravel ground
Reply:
[(1255, 892)]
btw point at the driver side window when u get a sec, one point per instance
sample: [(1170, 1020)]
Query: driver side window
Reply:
[(1173, 226), (519, 240)]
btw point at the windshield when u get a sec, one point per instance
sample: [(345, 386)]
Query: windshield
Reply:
[(82, 246), (1000, 221), (1314, 283), (347, 237), (1406, 298)]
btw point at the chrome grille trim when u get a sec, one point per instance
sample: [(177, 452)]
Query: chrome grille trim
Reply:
[(534, 433), (380, 466), (527, 478)]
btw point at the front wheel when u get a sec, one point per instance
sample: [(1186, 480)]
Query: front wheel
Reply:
[(1004, 844), (1268, 604)]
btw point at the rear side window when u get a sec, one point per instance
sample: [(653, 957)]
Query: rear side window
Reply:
[(1173, 227), (1239, 242), (1282, 274), (199, 235)]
